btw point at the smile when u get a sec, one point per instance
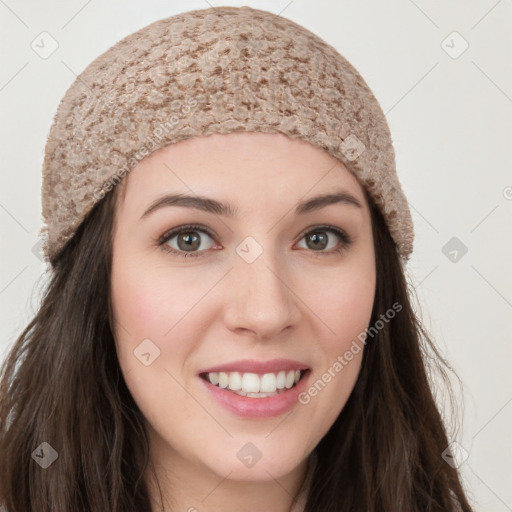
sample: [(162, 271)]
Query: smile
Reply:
[(253, 385), (256, 389)]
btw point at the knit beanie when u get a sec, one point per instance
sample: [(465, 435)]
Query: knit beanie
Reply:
[(215, 70)]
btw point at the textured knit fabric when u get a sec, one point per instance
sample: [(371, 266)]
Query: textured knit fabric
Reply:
[(215, 70)]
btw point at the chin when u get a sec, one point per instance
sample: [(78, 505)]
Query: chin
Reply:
[(251, 461)]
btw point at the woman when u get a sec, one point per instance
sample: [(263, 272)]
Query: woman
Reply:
[(227, 325)]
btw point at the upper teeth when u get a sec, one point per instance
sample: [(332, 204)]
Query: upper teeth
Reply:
[(254, 383)]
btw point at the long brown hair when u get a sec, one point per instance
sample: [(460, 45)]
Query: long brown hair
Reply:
[(61, 383)]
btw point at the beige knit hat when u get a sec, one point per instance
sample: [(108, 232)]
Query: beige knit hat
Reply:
[(215, 70)]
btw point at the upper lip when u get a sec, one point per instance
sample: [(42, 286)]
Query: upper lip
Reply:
[(261, 367)]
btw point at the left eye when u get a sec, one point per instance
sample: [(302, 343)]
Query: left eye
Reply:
[(319, 239)]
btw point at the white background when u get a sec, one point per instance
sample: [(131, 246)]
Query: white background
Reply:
[(451, 121)]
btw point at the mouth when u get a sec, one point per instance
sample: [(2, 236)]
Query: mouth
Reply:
[(255, 385)]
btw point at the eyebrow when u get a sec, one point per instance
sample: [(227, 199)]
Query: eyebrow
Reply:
[(212, 206)]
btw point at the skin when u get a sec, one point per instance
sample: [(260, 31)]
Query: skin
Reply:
[(292, 302)]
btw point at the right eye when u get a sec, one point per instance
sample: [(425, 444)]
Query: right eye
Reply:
[(188, 240)]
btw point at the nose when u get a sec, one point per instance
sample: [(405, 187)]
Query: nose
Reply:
[(263, 301)]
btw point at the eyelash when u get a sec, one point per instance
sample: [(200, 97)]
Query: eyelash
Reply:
[(346, 240)]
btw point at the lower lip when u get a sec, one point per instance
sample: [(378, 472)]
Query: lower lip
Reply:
[(258, 407)]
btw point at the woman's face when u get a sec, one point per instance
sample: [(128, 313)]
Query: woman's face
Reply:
[(258, 292)]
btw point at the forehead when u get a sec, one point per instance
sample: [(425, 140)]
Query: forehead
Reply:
[(245, 166)]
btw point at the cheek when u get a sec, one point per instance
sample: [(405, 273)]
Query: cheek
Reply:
[(146, 308), (153, 303), (147, 303), (135, 306), (349, 312), (344, 304), (349, 315)]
